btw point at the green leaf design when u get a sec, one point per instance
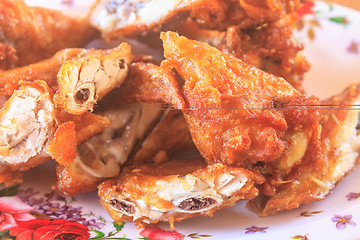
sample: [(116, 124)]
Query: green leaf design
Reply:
[(119, 225), (9, 191), (99, 234), (340, 20)]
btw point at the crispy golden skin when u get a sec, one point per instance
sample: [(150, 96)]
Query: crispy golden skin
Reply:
[(270, 48), (85, 79), (30, 34), (221, 14), (174, 190), (328, 160), (237, 114), (45, 70), (147, 82)]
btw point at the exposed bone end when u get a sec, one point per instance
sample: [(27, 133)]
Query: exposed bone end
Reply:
[(85, 80), (27, 122), (126, 207), (195, 204)]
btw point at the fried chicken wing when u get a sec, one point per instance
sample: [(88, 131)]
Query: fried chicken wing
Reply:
[(30, 34), (130, 18), (238, 114), (174, 190), (28, 121), (334, 156), (102, 156), (221, 14), (86, 79)]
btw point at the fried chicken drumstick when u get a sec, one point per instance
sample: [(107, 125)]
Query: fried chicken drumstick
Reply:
[(30, 34), (174, 190)]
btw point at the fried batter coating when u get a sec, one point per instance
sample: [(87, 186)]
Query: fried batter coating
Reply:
[(221, 14), (270, 48), (28, 122), (30, 34), (102, 156), (238, 114), (174, 190), (329, 160), (86, 79), (130, 18), (45, 70), (149, 83), (170, 137)]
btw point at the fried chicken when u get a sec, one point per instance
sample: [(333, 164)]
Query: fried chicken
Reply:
[(30, 34), (33, 130), (270, 48), (45, 70), (174, 190), (101, 156), (238, 114), (84, 80), (329, 160), (28, 122), (221, 14)]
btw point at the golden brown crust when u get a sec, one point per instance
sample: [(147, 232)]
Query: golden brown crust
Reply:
[(30, 34), (328, 159), (221, 14), (254, 112), (45, 70)]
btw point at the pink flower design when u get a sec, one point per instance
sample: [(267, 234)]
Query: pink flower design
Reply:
[(13, 210), (254, 229), (156, 233), (342, 221)]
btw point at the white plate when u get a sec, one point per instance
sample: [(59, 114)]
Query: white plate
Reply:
[(332, 39)]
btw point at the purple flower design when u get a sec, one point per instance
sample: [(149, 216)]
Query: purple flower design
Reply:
[(37, 203), (93, 225), (25, 195), (342, 221), (254, 229), (53, 208), (53, 195), (352, 196), (353, 47)]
